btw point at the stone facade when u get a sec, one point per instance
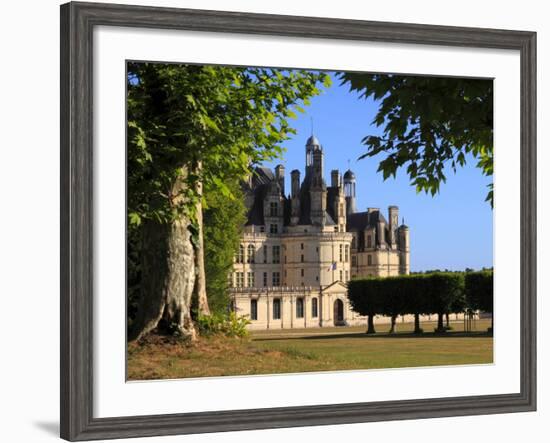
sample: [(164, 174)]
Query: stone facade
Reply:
[(299, 250)]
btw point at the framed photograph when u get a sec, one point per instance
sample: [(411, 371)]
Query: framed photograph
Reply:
[(274, 221)]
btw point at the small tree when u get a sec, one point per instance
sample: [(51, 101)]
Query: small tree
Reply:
[(443, 289), (363, 295), (392, 298), (416, 300), (479, 291)]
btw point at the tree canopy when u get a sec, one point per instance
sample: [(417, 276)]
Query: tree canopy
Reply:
[(223, 118), (428, 123)]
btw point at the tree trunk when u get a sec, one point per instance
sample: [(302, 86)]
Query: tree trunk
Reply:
[(447, 322), (200, 284), (417, 329), (168, 277), (371, 329), (392, 327), (440, 327)]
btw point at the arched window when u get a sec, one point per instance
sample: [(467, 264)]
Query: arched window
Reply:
[(314, 308), (299, 308), (250, 254)]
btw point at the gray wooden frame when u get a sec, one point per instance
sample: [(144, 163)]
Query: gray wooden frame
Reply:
[(77, 24)]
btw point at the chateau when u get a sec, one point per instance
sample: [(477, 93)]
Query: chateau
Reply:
[(298, 250)]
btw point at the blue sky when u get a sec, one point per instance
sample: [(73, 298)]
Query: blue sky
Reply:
[(452, 230)]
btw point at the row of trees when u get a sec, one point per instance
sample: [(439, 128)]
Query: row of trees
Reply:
[(438, 293)]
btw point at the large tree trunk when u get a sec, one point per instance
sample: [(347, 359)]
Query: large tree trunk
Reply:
[(417, 328), (168, 278), (200, 284)]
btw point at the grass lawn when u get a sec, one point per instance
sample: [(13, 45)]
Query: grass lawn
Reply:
[(326, 349)]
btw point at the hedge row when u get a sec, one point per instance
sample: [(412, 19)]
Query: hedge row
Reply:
[(438, 293)]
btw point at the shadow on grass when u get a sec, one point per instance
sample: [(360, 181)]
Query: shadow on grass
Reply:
[(363, 335)]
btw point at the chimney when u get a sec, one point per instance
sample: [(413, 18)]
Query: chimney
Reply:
[(280, 176), (393, 217), (335, 178), (295, 183)]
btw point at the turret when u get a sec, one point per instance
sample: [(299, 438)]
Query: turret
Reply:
[(404, 249), (312, 144), (349, 191)]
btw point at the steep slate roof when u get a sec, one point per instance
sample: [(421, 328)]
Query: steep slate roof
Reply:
[(359, 221)]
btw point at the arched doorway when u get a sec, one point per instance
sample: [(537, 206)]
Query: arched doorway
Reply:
[(338, 312)]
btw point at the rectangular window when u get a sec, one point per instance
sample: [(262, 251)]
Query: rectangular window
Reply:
[(302, 246), (250, 254), (314, 308), (262, 228), (341, 252), (240, 254), (302, 272), (273, 209), (276, 254), (354, 260), (265, 254), (299, 308), (276, 309), (346, 256), (276, 279), (240, 279), (369, 260), (369, 241), (253, 309), (250, 280), (273, 229), (341, 275), (347, 275), (302, 258), (265, 279)]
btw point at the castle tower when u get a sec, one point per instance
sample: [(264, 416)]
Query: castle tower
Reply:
[(349, 191)]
